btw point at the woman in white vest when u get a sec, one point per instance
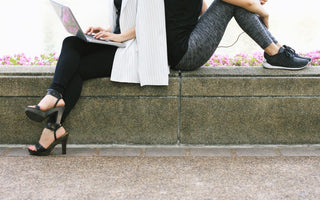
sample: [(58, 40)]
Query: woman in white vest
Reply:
[(140, 25)]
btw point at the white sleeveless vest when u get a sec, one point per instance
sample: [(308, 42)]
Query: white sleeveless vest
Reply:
[(144, 60)]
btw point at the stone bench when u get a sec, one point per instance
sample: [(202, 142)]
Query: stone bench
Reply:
[(210, 106)]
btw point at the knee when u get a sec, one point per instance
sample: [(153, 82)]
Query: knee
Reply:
[(244, 13), (71, 40), (191, 63)]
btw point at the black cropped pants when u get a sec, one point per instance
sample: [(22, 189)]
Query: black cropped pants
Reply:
[(80, 61)]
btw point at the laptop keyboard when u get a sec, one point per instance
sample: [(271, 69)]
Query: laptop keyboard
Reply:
[(93, 38)]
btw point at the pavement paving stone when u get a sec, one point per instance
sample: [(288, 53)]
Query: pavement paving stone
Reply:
[(120, 152), (210, 152), (302, 151), (258, 152), (148, 178), (76, 152), (136, 151), (17, 152), (165, 152), (2, 150)]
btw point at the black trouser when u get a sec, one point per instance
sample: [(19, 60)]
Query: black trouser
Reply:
[(80, 61)]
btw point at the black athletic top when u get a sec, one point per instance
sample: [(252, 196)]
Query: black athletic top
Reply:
[(181, 18), (117, 4)]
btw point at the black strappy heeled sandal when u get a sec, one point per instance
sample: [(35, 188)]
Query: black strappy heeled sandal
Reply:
[(41, 151), (38, 115)]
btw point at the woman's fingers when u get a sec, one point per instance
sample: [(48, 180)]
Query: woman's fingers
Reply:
[(89, 31), (92, 30), (106, 35), (102, 35), (98, 35)]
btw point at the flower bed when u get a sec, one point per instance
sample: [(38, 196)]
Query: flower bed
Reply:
[(216, 60), (22, 59), (253, 60)]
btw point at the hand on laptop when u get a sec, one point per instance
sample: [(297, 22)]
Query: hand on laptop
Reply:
[(94, 30), (104, 34), (107, 35)]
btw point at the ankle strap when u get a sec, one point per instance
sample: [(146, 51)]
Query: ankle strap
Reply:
[(53, 127), (54, 93)]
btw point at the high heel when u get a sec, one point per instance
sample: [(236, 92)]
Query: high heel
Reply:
[(41, 151), (38, 115)]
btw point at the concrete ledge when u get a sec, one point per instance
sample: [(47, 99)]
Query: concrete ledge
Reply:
[(172, 151), (213, 105)]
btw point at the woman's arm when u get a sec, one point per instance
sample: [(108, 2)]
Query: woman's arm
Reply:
[(107, 35), (204, 7), (252, 6)]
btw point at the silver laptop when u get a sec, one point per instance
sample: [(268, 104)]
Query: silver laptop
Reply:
[(70, 23)]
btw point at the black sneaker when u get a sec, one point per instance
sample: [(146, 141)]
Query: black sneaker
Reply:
[(284, 59), (297, 55)]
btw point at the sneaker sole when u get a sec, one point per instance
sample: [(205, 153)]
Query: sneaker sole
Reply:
[(268, 66)]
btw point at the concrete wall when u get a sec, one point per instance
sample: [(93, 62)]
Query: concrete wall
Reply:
[(213, 105)]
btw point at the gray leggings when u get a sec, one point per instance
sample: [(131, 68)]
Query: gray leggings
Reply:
[(208, 33)]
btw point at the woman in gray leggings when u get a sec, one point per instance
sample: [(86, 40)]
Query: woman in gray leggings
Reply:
[(192, 40)]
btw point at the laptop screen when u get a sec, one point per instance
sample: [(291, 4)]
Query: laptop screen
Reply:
[(68, 20)]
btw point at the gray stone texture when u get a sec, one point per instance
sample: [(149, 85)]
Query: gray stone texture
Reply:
[(153, 178), (255, 152), (212, 105), (106, 120), (172, 151), (247, 120), (250, 86), (252, 71), (17, 152), (77, 152), (250, 105), (300, 151), (210, 152), (121, 152), (2, 150), (117, 113), (124, 121), (165, 152)]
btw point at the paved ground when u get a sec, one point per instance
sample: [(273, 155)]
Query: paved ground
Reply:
[(137, 172)]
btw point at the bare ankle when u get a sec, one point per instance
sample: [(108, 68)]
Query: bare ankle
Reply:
[(272, 49), (49, 101)]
